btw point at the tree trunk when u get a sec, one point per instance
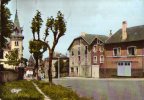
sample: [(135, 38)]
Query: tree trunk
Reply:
[(50, 67), (37, 67)]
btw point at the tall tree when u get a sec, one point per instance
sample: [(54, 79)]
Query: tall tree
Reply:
[(56, 26), (36, 46), (6, 24)]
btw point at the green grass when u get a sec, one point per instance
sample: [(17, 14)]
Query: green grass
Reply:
[(28, 92), (57, 92)]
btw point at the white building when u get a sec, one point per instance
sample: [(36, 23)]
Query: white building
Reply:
[(15, 42)]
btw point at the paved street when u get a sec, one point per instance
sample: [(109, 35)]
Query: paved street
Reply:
[(105, 89)]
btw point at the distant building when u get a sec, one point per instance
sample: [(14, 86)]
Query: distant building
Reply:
[(86, 55), (56, 56), (124, 52), (15, 42), (30, 68)]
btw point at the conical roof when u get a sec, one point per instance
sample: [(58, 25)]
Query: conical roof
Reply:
[(31, 62), (16, 21), (17, 29)]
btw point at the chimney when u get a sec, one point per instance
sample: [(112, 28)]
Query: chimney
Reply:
[(110, 34), (124, 33), (83, 33)]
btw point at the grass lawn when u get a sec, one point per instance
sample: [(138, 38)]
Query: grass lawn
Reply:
[(28, 92), (57, 92)]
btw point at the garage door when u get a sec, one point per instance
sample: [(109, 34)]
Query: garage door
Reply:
[(95, 71), (124, 68)]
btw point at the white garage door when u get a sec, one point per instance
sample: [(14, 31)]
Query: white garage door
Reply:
[(95, 71), (124, 68)]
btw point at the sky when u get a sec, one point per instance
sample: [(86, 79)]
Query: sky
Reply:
[(89, 16)]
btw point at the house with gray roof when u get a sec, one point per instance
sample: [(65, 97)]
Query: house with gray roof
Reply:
[(124, 52), (81, 55)]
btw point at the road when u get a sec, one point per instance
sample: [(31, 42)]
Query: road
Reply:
[(105, 89)]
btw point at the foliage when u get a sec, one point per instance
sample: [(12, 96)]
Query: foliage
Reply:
[(64, 67), (13, 58), (55, 25), (37, 48), (57, 92), (28, 92), (6, 25), (24, 60)]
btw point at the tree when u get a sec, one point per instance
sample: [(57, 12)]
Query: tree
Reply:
[(37, 47), (6, 24), (24, 60), (56, 26), (13, 58)]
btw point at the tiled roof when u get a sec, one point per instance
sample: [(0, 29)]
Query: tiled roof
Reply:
[(133, 34), (90, 37), (16, 21)]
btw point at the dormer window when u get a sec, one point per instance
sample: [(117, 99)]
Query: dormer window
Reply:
[(94, 48), (131, 51), (16, 43), (101, 48)]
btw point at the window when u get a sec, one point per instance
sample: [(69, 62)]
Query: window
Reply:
[(79, 42), (72, 60), (72, 52), (86, 52), (72, 69), (86, 49), (101, 59), (1, 54), (131, 51), (77, 70), (78, 50), (79, 59), (101, 48), (95, 59), (116, 51), (98, 41), (16, 43), (94, 48)]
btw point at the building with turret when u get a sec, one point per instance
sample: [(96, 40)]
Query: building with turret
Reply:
[(15, 42)]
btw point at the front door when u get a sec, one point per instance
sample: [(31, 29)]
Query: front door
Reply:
[(95, 71), (124, 68)]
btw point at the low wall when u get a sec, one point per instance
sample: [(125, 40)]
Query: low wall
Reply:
[(6, 76), (112, 73)]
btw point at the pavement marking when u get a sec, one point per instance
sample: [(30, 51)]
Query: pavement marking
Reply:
[(39, 90)]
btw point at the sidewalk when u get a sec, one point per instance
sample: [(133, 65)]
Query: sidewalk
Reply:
[(45, 97), (83, 78)]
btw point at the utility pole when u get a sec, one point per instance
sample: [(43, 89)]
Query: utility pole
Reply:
[(59, 66), (58, 69)]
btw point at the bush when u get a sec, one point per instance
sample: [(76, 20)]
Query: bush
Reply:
[(28, 92), (57, 92)]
